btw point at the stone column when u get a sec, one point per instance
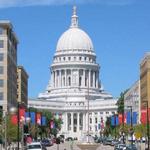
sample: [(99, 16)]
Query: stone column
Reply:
[(72, 122), (83, 78), (93, 122), (71, 77), (84, 122), (60, 78), (55, 78), (93, 79), (52, 79), (65, 77), (66, 120), (89, 78), (97, 78), (78, 122)]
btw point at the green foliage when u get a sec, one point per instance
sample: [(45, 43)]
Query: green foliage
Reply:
[(120, 102), (45, 130)]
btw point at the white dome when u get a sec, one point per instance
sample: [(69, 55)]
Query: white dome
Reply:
[(74, 38)]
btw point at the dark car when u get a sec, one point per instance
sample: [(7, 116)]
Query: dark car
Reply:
[(61, 139), (120, 147), (115, 142), (46, 142), (107, 141), (131, 147), (69, 139)]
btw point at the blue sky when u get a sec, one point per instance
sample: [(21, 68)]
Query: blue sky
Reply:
[(119, 29)]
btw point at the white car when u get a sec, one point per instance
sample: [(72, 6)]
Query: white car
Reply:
[(35, 146)]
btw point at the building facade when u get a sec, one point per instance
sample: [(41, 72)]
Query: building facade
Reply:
[(145, 80), (8, 65), (22, 85), (74, 90), (132, 98)]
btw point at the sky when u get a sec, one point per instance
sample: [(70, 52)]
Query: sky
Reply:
[(119, 29)]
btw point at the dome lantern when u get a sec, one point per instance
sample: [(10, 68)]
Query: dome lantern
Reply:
[(74, 18)]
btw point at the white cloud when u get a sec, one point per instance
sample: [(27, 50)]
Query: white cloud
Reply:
[(20, 3)]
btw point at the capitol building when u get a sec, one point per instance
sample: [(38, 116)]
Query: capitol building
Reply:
[(74, 89)]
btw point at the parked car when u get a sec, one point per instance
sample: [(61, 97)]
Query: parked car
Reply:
[(131, 147), (61, 139), (69, 139), (107, 141), (35, 146), (120, 147), (115, 142), (47, 142)]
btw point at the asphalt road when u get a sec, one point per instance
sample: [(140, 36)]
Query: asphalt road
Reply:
[(67, 146)]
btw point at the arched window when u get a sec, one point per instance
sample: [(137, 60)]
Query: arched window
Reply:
[(69, 81), (80, 81)]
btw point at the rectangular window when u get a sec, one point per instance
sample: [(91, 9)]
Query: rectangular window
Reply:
[(95, 120), (1, 44), (1, 95), (1, 82), (1, 30), (1, 56), (1, 69)]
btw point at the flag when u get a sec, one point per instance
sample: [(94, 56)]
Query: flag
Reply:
[(113, 121), (99, 126), (51, 124), (43, 121), (134, 118), (128, 117), (38, 118), (32, 115), (22, 114), (143, 116), (120, 118), (117, 120), (14, 119)]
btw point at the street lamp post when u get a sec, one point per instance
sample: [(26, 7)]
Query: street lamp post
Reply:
[(13, 110), (147, 123), (123, 127), (18, 125), (131, 125), (115, 125)]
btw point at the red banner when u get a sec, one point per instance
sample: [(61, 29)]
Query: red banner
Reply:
[(14, 119), (22, 114), (38, 118), (143, 116), (121, 119)]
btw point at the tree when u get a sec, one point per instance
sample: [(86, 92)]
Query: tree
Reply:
[(107, 129), (120, 102)]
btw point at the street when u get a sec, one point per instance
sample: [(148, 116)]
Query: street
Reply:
[(67, 146)]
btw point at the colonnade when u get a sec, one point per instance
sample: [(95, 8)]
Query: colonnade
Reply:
[(75, 77), (75, 122)]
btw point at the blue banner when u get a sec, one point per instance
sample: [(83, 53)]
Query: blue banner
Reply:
[(43, 120), (26, 114), (99, 126), (129, 117), (117, 120), (32, 115), (134, 120), (113, 121)]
